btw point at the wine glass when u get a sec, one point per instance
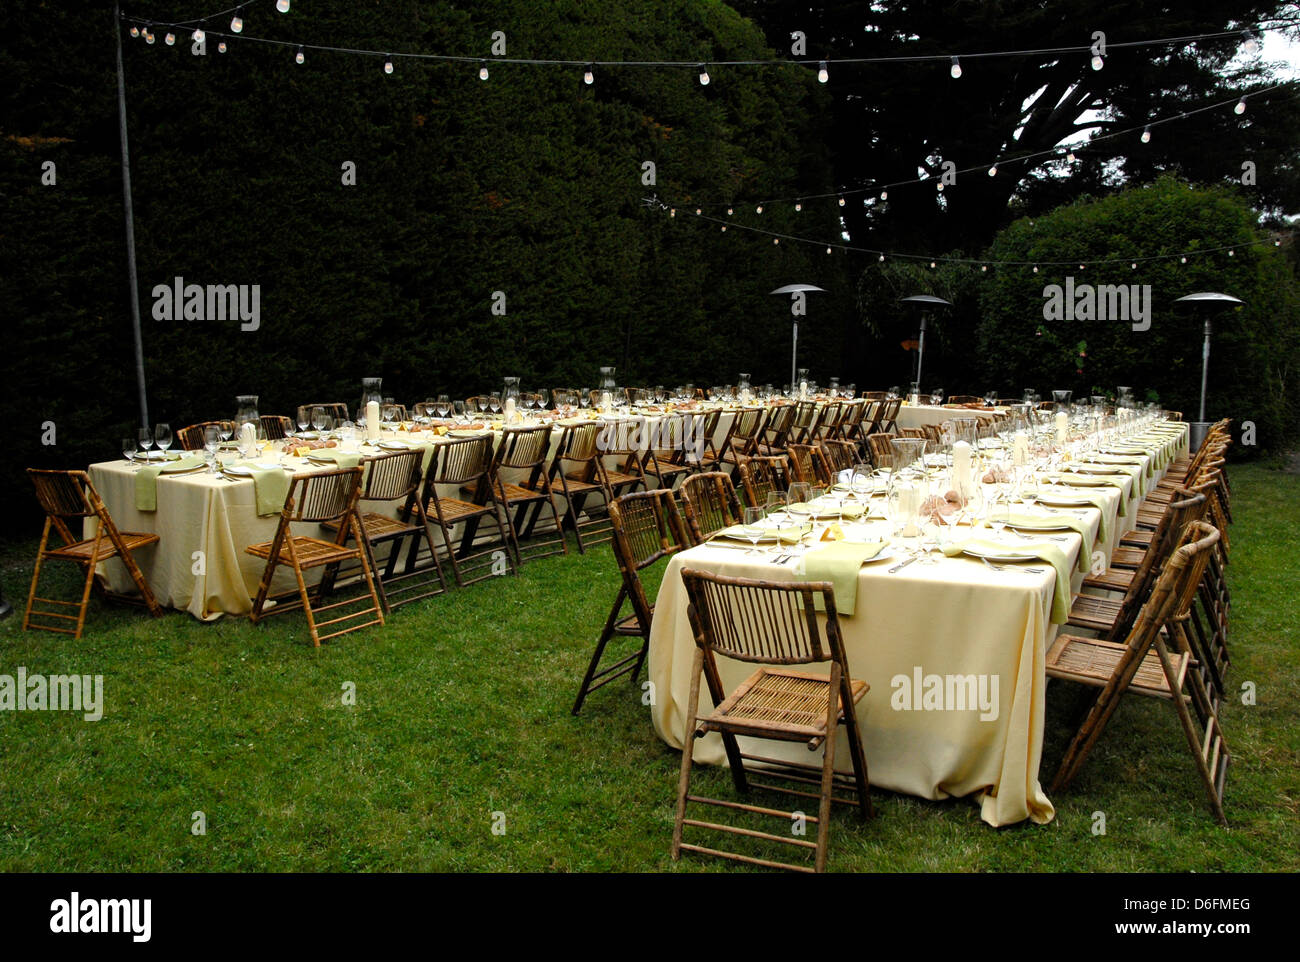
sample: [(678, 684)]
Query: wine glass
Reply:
[(494, 403), (1029, 489), (211, 442), (304, 418), (227, 429), (318, 418), (129, 447), (999, 515), (442, 405), (460, 411), (162, 436), (543, 399), (752, 527), (936, 396), (774, 508)]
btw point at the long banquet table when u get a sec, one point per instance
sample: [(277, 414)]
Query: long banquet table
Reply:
[(954, 621)]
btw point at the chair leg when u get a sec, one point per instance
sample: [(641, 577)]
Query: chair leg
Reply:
[(40, 557), (303, 594), (90, 579), (605, 636), (827, 786), (688, 755)]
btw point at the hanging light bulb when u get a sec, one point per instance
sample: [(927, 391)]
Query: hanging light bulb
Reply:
[(1251, 46), (1183, 259), (939, 187), (729, 211), (198, 34), (823, 74), (1133, 266), (170, 39), (724, 228), (1035, 268), (482, 70), (388, 64), (672, 211), (299, 57), (1240, 108), (1146, 135), (984, 268), (993, 171), (589, 76), (698, 212), (221, 47), (282, 5), (776, 240), (237, 21), (135, 31), (704, 76), (1231, 252), (884, 195), (1070, 157), (1098, 61), (758, 209), (148, 35), (828, 250), (955, 70), (882, 258), (932, 265), (841, 201), (798, 206)]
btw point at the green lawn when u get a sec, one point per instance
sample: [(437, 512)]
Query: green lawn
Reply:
[(463, 710)]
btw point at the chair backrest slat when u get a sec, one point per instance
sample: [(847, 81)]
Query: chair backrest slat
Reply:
[(710, 503), (323, 496), (392, 476), (462, 461)]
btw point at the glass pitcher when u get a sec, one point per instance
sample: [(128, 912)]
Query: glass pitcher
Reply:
[(371, 390), (1062, 400), (246, 409)]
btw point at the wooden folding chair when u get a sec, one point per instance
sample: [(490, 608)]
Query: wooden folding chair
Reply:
[(334, 409), (776, 431), (709, 503), (1147, 665), (888, 416), (647, 528), (803, 423), (191, 437), (807, 463), (666, 458), (526, 449), (577, 474), (391, 478), (318, 498), (278, 427), (68, 497), (701, 453), (465, 463), (760, 476), (742, 437), (772, 625)]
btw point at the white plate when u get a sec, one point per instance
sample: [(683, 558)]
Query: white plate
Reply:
[(1099, 469), (238, 470), (885, 554), (1005, 556), (1052, 526), (467, 434), (150, 455), (1063, 500), (394, 445)]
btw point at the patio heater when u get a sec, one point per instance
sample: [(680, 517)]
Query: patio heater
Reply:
[(1208, 301), (794, 344), (929, 302)]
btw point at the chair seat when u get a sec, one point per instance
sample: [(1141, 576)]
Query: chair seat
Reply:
[(454, 509), (1138, 538), (577, 485), (618, 479), (515, 493), (312, 552), (379, 527), (1091, 661), (778, 702), (1127, 557), (1114, 579), (1094, 613), (82, 550)]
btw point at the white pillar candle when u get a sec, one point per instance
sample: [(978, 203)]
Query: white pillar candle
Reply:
[(510, 410), (372, 420), (1062, 428), (961, 471)]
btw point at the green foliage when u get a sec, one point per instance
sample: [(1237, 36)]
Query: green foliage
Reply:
[(1255, 348)]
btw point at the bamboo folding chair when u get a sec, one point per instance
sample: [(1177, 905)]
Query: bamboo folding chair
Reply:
[(666, 458), (760, 476), (318, 498), (871, 419), (889, 416), (775, 433), (577, 473), (69, 497), (278, 427), (742, 437), (333, 409), (709, 503), (647, 528), (964, 399), (390, 478), (526, 449), (850, 426), (840, 455), (827, 424), (625, 442), (191, 437), (701, 453), (803, 423), (773, 625), (807, 463), (1146, 665), (882, 452), (465, 464), (874, 395)]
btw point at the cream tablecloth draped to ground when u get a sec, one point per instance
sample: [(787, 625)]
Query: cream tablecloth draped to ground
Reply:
[(954, 619)]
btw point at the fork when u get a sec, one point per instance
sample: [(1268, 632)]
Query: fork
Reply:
[(1000, 568)]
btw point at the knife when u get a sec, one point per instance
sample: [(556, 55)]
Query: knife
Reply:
[(902, 564)]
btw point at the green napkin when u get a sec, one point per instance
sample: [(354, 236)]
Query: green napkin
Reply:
[(788, 535), (146, 479), (1047, 552), (1038, 521), (1096, 500), (825, 509), (1098, 481), (838, 562), (344, 459), (270, 487)]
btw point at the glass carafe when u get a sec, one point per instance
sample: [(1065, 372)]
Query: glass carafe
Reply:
[(246, 409), (510, 399), (607, 389)]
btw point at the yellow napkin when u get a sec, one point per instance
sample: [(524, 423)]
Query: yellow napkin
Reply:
[(1047, 552), (838, 562), (1038, 521), (1098, 501), (344, 459), (146, 479), (270, 487)]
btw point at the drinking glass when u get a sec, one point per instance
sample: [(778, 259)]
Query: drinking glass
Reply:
[(1029, 489), (318, 418), (442, 405), (211, 442), (460, 411), (800, 493), (494, 402), (162, 436), (936, 396), (752, 527), (777, 514), (999, 515), (227, 428), (543, 399), (129, 447)]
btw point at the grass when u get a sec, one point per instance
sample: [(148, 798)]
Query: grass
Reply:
[(462, 710)]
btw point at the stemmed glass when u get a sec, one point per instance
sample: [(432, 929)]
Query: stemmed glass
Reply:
[(543, 399), (999, 515), (162, 436), (227, 429), (1029, 489), (304, 418), (442, 405), (460, 411), (129, 447), (211, 442), (776, 513), (318, 418), (752, 527), (494, 403)]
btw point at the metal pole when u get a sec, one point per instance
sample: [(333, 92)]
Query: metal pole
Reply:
[(130, 222), (1205, 367), (920, 351), (794, 358)]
